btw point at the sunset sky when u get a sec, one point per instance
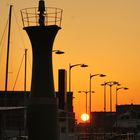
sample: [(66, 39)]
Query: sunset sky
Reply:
[(105, 34)]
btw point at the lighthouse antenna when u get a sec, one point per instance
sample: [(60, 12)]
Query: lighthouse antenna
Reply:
[(41, 9)]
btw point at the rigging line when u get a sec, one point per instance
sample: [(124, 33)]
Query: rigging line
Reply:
[(2, 48), (11, 70), (3, 33), (18, 72), (29, 63), (19, 28), (2, 45)]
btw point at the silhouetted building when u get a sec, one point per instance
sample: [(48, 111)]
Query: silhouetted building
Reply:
[(103, 121), (13, 113), (128, 118), (13, 98), (125, 119)]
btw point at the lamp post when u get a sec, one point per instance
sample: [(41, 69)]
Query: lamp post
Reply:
[(70, 67), (111, 83), (118, 88), (90, 91), (105, 83), (86, 96)]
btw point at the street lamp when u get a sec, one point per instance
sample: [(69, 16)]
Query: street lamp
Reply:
[(70, 67), (111, 83), (118, 88), (86, 96), (90, 77), (58, 52), (105, 83)]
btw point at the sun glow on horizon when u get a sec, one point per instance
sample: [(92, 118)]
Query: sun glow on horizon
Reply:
[(85, 117)]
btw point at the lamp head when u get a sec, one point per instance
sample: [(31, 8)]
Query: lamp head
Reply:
[(125, 88), (116, 83), (102, 75), (103, 84), (59, 52), (84, 65)]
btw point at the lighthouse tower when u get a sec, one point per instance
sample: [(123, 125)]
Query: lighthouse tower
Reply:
[(42, 25)]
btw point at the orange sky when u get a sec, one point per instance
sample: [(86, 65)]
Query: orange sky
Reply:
[(101, 33)]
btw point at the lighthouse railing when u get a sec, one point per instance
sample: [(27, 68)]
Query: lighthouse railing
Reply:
[(52, 15)]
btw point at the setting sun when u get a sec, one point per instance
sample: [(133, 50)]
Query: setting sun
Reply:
[(85, 117)]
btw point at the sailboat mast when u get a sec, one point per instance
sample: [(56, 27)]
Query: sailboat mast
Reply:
[(8, 48), (25, 70)]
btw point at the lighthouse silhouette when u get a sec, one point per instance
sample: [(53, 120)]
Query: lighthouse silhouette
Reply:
[(42, 25)]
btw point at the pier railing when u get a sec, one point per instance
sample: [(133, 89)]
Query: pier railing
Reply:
[(52, 15)]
